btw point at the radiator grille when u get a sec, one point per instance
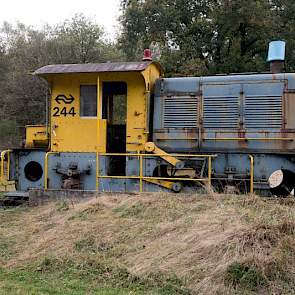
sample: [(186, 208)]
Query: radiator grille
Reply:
[(180, 112), (263, 112), (221, 112)]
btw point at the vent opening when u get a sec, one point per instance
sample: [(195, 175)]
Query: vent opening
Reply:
[(180, 112)]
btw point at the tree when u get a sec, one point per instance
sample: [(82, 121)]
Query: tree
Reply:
[(81, 40), (200, 37), (78, 39)]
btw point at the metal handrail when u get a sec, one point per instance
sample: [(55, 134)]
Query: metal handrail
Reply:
[(249, 138), (141, 178), (251, 174), (158, 155)]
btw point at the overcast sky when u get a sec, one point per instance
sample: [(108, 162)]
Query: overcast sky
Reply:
[(39, 12)]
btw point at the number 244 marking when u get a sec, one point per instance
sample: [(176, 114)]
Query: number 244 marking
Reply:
[(57, 112)]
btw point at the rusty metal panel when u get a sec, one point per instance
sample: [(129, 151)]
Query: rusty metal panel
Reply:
[(179, 86), (263, 105), (94, 68), (290, 110), (263, 112), (221, 112), (180, 112), (221, 106)]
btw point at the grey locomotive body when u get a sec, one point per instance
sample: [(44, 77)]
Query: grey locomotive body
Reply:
[(232, 116)]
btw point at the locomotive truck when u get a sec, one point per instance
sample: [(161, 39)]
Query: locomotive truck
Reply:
[(123, 127)]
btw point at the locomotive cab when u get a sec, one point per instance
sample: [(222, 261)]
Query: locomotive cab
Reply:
[(93, 104), (93, 109)]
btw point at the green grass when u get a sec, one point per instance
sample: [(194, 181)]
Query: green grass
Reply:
[(56, 276), (24, 282)]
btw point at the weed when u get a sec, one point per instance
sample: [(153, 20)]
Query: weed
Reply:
[(62, 205), (244, 276), (84, 214), (189, 220), (86, 245), (162, 284), (49, 264), (134, 210), (166, 285), (6, 248), (89, 267), (79, 215), (93, 209)]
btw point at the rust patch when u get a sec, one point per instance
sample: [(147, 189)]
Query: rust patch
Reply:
[(243, 144)]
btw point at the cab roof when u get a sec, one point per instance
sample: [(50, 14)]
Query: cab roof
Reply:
[(95, 68)]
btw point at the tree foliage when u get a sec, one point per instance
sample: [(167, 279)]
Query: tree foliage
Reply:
[(207, 36)]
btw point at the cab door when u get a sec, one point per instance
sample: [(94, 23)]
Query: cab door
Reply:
[(114, 110)]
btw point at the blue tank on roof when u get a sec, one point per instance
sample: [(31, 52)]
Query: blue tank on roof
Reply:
[(276, 51)]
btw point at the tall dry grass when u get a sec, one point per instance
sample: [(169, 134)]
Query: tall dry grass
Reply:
[(217, 244)]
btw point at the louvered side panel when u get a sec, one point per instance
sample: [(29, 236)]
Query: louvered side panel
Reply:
[(221, 112), (263, 112), (180, 112)]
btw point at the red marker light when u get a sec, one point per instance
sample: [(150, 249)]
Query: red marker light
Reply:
[(147, 55)]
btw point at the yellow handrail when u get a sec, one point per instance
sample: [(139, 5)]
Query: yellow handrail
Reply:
[(154, 178), (209, 171), (159, 155), (141, 174), (97, 172), (251, 174), (249, 138), (141, 177)]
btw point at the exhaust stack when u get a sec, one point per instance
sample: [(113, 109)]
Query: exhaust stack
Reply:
[(276, 56)]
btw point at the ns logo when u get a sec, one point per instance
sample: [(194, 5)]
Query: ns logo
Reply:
[(64, 111)]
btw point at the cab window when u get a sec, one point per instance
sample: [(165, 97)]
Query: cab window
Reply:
[(88, 100)]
